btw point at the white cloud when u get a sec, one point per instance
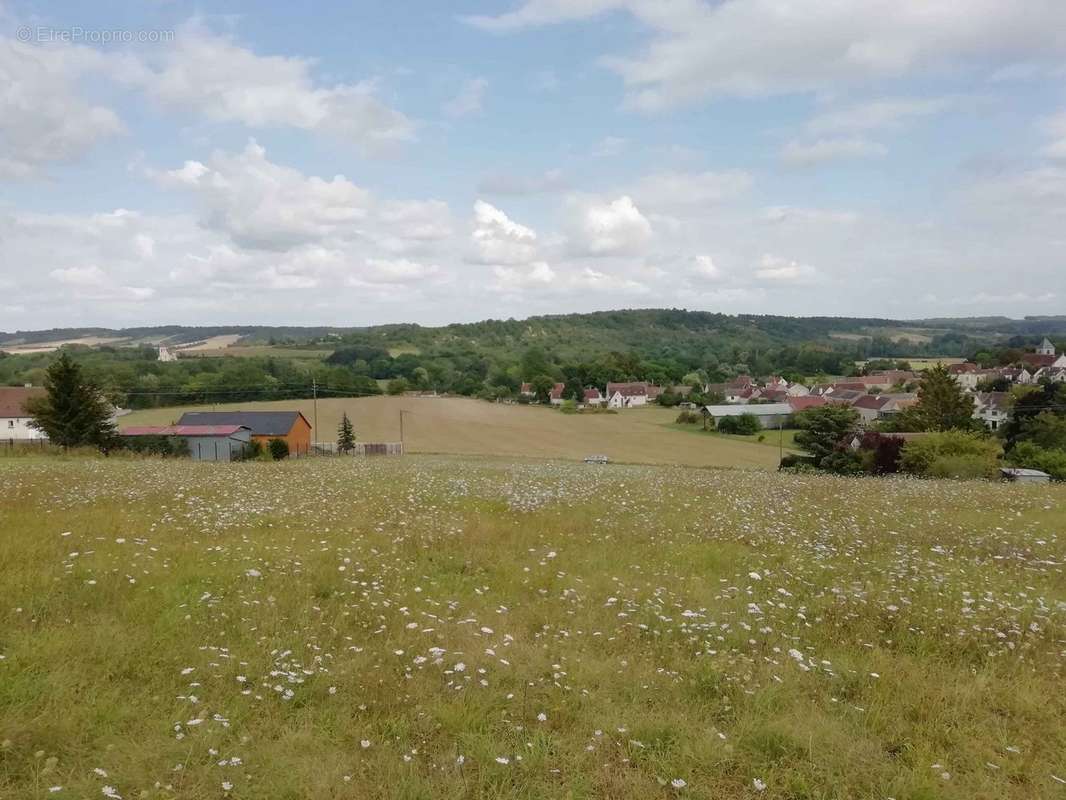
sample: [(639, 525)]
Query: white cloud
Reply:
[(806, 154), (610, 228), (264, 205), (538, 275), (764, 47), (597, 280), (775, 269), (704, 268), (674, 189), (215, 76), (398, 270), (497, 239), (882, 114), (469, 100), (90, 275), (43, 118)]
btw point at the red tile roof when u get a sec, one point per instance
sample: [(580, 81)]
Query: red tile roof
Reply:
[(870, 401), (1037, 360), (557, 391), (802, 403), (182, 430), (13, 399)]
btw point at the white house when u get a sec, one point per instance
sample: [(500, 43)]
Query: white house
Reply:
[(630, 395), (797, 390), (991, 408), (165, 354), (1052, 374), (14, 419)]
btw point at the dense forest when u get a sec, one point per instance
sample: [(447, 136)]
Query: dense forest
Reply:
[(491, 358)]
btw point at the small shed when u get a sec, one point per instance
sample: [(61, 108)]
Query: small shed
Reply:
[(204, 442), (1019, 475)]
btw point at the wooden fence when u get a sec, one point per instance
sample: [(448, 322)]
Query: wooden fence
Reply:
[(360, 449)]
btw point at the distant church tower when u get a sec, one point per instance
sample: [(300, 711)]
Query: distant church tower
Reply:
[(1046, 348)]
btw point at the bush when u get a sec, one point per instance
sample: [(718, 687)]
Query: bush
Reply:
[(1032, 456), (397, 386), (951, 454), (962, 468), (155, 445), (688, 418), (880, 454), (278, 448), (794, 461), (568, 407), (744, 425)]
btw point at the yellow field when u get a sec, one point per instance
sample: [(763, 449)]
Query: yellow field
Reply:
[(919, 364), (474, 427)]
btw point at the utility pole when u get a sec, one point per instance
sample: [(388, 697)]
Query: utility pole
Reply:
[(780, 441), (314, 394)]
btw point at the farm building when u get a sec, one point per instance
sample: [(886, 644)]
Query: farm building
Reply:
[(290, 426), (14, 418), (204, 442), (770, 415)]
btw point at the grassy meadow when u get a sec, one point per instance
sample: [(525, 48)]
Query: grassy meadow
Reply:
[(463, 426), (446, 627)]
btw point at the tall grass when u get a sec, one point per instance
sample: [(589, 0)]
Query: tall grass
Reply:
[(449, 628)]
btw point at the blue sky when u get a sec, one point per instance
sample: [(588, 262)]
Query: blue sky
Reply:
[(435, 162)]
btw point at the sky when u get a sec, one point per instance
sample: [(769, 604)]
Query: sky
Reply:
[(167, 162)]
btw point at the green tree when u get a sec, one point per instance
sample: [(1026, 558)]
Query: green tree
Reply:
[(1032, 456), (542, 387), (345, 434), (942, 405), (823, 429), (73, 413), (951, 454), (741, 425), (397, 386), (278, 448)]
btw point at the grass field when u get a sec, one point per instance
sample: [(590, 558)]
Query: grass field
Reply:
[(474, 427), (785, 439), (441, 627), (920, 364)]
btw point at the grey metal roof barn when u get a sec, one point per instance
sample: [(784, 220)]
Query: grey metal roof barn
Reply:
[(770, 415), (261, 423), (755, 409)]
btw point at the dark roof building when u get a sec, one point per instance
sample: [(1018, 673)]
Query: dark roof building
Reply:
[(261, 423), (290, 426)]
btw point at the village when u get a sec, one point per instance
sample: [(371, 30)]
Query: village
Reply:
[(877, 396)]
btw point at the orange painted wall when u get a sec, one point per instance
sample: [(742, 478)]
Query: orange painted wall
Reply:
[(298, 438)]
